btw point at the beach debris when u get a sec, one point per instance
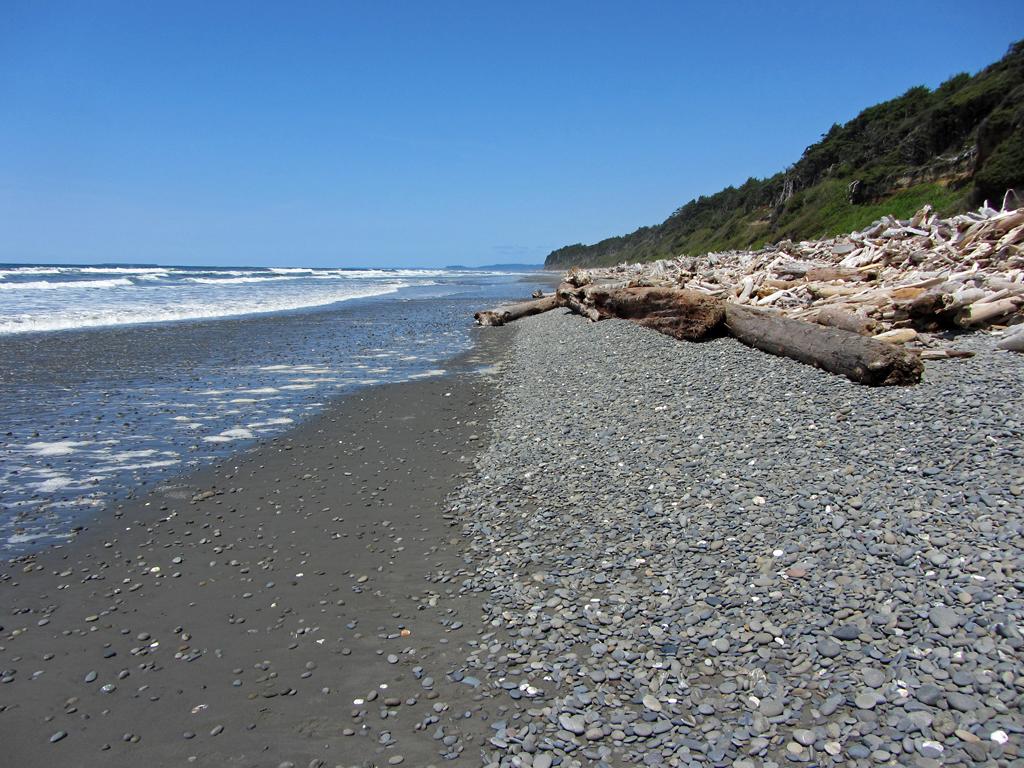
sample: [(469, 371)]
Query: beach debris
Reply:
[(507, 314), (693, 316), (870, 305), (925, 274)]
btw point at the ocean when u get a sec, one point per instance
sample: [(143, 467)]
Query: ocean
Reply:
[(113, 378)]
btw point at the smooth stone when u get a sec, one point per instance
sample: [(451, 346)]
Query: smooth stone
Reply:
[(866, 700), (873, 678), (961, 702), (831, 704), (572, 723), (928, 694), (945, 618), (846, 632), (804, 736), (829, 648), (771, 707)]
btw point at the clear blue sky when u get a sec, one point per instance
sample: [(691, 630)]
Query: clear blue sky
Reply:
[(424, 133)]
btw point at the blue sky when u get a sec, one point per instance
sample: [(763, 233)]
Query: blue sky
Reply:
[(415, 133)]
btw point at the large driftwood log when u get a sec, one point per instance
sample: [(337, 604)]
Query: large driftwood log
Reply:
[(676, 312), (503, 315), (859, 359), (692, 315)]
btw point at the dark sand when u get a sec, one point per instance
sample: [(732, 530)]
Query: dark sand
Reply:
[(239, 629)]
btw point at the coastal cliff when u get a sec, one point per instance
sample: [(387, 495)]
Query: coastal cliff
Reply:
[(951, 147)]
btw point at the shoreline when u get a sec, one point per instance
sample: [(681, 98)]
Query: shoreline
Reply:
[(611, 548), (240, 628), (91, 416)]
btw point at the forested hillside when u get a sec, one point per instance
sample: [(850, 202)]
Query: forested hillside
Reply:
[(952, 147)]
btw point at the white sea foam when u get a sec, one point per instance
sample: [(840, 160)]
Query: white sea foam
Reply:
[(131, 455), (58, 448), (50, 285), (23, 538), (271, 423), (239, 433), (54, 484), (236, 280), (30, 271), (107, 469), (120, 270), (155, 305)]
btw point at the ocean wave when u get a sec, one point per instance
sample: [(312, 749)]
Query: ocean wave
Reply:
[(30, 271), (230, 280), (228, 272), (71, 319), (377, 274), (48, 285), (119, 270)]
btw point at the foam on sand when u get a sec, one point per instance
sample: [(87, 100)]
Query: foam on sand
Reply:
[(238, 433), (280, 421), (58, 448), (54, 484)]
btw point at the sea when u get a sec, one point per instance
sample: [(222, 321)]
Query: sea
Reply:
[(114, 378)]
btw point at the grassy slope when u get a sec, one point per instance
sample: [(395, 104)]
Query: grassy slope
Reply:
[(950, 147)]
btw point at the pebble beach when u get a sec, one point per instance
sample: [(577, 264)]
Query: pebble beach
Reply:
[(587, 545)]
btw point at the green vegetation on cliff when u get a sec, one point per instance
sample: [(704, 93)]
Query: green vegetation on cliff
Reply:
[(952, 147)]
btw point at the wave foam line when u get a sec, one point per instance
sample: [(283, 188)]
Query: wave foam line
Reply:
[(47, 285), (66, 321)]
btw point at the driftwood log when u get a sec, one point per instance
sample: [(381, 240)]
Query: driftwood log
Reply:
[(693, 315), (503, 315), (835, 317), (676, 312), (860, 359)]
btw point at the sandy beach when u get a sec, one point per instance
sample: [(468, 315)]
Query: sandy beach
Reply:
[(236, 616)]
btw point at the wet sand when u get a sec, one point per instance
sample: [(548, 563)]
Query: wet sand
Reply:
[(296, 604)]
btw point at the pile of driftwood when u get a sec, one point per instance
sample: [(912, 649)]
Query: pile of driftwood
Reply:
[(866, 305)]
